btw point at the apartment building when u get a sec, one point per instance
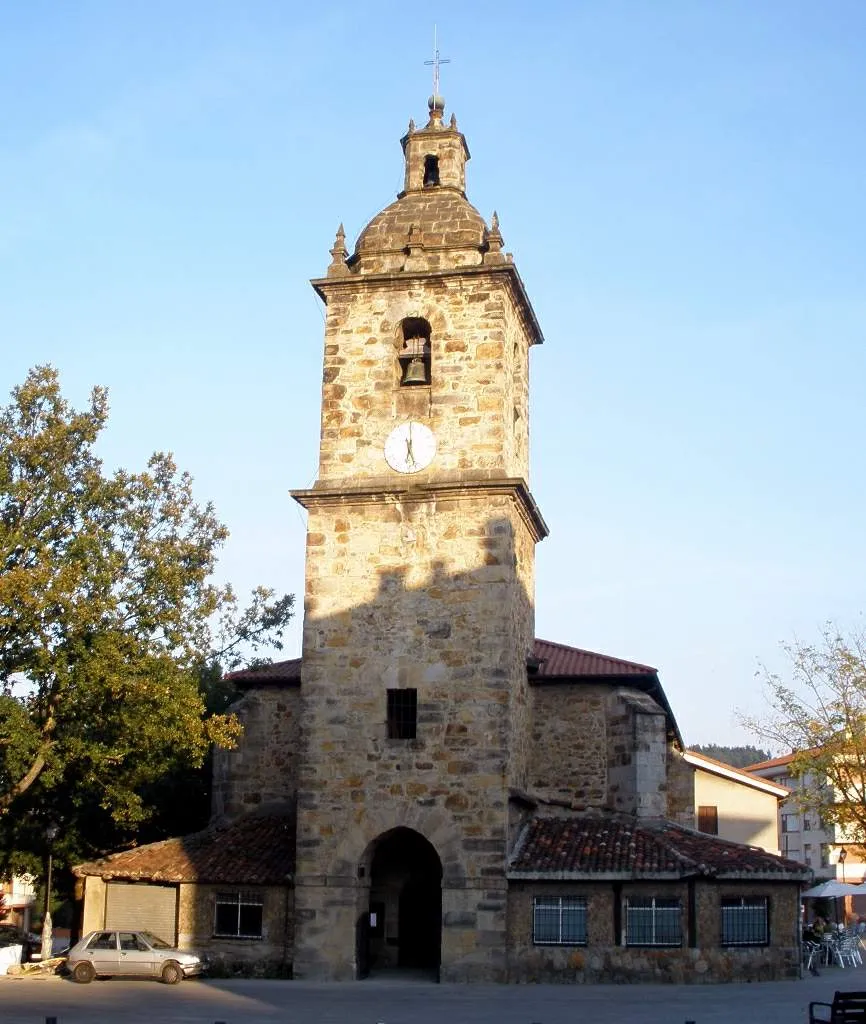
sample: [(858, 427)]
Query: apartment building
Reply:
[(802, 835)]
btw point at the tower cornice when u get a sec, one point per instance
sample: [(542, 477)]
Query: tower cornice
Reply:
[(317, 498)]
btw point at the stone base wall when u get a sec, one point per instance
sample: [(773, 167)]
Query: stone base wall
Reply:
[(274, 950), (620, 965), (700, 959)]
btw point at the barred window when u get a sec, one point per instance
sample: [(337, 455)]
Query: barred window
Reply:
[(745, 921), (653, 922), (402, 714), (238, 915), (559, 921)]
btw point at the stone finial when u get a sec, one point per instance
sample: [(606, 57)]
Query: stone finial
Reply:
[(453, 122), (339, 252), (436, 106), (411, 126), (494, 241), (494, 236)]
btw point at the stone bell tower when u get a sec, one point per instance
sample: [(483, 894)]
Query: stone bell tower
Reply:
[(418, 611)]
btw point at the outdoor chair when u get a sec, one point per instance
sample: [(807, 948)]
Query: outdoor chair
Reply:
[(813, 956)]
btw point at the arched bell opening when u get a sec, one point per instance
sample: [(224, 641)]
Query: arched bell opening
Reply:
[(403, 929), (413, 356)]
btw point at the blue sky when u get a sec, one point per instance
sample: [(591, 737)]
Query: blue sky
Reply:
[(680, 183)]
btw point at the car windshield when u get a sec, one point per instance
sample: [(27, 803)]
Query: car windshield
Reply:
[(153, 941)]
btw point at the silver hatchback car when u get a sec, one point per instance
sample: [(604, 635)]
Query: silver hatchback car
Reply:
[(132, 954)]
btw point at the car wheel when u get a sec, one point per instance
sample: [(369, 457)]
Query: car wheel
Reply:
[(83, 973), (171, 973)]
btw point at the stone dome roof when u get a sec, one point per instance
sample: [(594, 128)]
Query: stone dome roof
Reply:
[(434, 219)]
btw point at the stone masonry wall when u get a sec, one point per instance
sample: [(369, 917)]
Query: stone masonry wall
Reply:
[(262, 769), (476, 403), (569, 743), (445, 143), (701, 959), (272, 953), (636, 754), (415, 592), (680, 787), (522, 630)]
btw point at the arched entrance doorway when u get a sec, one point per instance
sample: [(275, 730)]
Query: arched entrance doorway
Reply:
[(403, 928)]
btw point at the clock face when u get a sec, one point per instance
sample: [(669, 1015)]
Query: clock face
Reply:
[(410, 447)]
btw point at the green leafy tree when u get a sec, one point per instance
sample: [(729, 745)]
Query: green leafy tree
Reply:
[(109, 621), (818, 712), (737, 757)]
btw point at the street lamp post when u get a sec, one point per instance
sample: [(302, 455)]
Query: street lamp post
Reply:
[(47, 943), (843, 854)]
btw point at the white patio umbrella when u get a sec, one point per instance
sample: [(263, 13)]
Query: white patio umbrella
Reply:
[(833, 889)]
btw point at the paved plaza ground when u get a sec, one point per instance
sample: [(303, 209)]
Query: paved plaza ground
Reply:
[(31, 1000)]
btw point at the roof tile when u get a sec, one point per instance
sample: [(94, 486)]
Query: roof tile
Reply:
[(255, 850), (560, 660), (589, 846)]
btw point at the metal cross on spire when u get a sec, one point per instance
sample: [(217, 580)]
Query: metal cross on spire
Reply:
[(435, 63)]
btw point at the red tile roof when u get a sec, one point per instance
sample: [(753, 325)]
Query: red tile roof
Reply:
[(276, 673), (607, 847), (774, 762), (256, 850), (557, 660), (554, 661), (550, 663)]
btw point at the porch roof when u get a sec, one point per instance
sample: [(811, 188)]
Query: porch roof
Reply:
[(255, 850), (597, 849)]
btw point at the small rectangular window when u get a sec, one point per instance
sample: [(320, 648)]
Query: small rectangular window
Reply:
[(559, 921), (653, 922), (790, 822), (708, 820), (745, 921), (791, 848), (402, 714), (238, 915)]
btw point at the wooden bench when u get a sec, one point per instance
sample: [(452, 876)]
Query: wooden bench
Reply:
[(846, 1008)]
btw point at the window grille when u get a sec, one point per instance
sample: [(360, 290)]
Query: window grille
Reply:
[(238, 915), (559, 921), (653, 922), (402, 714), (708, 820), (745, 921)]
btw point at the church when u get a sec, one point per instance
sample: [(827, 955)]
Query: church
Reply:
[(430, 787)]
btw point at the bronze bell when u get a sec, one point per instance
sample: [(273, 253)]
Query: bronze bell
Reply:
[(416, 372)]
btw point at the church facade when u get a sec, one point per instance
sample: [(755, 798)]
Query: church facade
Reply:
[(430, 786)]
